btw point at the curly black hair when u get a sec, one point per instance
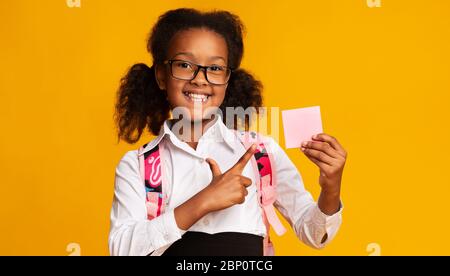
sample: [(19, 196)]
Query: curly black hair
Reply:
[(142, 105)]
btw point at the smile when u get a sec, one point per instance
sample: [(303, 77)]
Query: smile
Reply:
[(198, 98)]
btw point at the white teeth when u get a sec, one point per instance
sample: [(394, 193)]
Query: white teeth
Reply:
[(197, 97)]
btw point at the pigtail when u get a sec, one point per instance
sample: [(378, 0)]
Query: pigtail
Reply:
[(243, 91), (140, 104)]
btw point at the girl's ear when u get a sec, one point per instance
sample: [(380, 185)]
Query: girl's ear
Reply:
[(160, 76)]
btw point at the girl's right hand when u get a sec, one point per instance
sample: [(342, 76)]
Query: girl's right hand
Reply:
[(229, 188)]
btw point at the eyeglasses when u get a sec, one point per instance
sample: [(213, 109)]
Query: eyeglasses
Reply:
[(185, 70)]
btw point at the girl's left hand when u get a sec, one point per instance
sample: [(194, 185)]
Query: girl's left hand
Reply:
[(326, 152)]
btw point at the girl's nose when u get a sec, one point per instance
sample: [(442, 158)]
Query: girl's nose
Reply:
[(200, 78)]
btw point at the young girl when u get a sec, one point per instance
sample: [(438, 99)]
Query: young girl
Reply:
[(211, 202)]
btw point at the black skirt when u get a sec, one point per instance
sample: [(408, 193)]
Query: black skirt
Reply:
[(220, 244)]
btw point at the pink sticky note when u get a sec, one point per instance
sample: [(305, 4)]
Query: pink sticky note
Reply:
[(300, 125)]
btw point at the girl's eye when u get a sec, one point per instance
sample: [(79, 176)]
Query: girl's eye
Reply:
[(215, 68), (184, 65)]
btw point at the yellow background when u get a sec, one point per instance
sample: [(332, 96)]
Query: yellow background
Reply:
[(381, 76)]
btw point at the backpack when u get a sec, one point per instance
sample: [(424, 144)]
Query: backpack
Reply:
[(156, 193)]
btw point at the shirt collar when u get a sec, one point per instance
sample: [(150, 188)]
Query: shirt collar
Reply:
[(218, 131)]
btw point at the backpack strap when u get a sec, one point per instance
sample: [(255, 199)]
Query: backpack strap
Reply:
[(266, 185), (154, 180)]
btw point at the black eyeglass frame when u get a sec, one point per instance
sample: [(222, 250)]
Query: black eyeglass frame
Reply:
[(199, 67)]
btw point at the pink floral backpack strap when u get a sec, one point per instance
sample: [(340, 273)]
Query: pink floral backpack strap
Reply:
[(266, 184), (153, 178)]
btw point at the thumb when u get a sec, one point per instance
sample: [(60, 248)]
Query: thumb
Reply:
[(214, 167)]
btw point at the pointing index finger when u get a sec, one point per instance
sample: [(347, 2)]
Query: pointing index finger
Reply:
[(240, 165)]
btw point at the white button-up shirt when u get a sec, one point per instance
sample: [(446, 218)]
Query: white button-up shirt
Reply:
[(131, 233)]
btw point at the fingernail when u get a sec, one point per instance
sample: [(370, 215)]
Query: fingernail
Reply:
[(314, 136), (302, 148), (304, 144)]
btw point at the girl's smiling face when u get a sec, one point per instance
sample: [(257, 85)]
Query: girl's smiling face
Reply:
[(197, 46)]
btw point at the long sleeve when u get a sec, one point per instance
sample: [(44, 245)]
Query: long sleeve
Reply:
[(297, 205), (131, 233)]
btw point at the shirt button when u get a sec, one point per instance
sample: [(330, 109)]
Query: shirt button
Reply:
[(166, 237), (206, 222)]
